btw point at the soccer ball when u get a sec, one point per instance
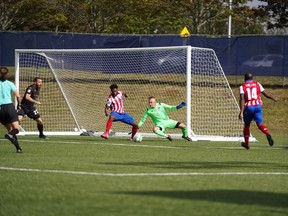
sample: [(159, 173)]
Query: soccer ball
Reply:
[(137, 138)]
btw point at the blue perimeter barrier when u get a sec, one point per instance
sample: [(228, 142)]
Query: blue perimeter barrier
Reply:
[(262, 55)]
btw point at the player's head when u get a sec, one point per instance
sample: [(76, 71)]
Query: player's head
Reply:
[(248, 76), (3, 73), (38, 82), (152, 101), (114, 89)]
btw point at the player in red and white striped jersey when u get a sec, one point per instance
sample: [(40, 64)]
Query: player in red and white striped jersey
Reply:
[(117, 113), (251, 108), (116, 102)]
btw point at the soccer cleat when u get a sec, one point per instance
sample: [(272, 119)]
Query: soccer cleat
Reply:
[(14, 142), (42, 136), (19, 150), (270, 140), (11, 139), (169, 138), (187, 138), (105, 136), (244, 145)]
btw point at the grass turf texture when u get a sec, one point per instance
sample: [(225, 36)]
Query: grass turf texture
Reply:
[(171, 177), (247, 188)]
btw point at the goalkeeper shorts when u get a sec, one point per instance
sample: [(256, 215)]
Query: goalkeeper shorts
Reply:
[(164, 124)]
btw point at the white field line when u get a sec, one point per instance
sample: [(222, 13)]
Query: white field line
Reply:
[(142, 174), (186, 145)]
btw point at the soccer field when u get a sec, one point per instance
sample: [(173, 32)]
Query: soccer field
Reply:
[(90, 176)]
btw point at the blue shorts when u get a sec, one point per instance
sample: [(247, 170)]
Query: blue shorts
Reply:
[(123, 117), (253, 112)]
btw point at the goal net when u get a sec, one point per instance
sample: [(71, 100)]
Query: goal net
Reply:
[(76, 86)]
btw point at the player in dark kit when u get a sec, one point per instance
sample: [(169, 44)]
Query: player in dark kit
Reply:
[(27, 105)]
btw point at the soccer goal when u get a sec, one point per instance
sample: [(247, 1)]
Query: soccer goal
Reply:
[(76, 86)]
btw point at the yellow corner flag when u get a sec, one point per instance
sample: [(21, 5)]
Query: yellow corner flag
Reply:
[(185, 32)]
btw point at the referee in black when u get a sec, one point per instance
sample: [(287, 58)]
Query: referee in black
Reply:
[(8, 114)]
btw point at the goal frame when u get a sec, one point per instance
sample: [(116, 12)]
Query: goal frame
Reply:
[(193, 136)]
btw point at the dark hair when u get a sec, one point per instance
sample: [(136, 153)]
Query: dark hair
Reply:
[(3, 72), (150, 97), (37, 78), (113, 86), (248, 76)]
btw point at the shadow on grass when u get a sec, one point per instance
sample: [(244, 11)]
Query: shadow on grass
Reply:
[(201, 165), (225, 196)]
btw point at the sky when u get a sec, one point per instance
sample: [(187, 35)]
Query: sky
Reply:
[(256, 3)]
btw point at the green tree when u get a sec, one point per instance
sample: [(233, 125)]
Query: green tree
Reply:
[(9, 19), (132, 16), (103, 13), (166, 16), (51, 15), (129, 17), (276, 14), (246, 21), (211, 16)]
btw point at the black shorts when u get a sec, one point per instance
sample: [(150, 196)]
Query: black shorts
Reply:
[(8, 114), (31, 112)]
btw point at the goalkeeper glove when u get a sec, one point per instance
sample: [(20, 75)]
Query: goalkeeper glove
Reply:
[(182, 104)]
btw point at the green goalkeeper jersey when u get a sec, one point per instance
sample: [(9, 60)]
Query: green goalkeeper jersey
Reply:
[(157, 113)]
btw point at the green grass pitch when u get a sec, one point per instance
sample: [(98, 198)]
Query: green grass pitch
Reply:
[(91, 176)]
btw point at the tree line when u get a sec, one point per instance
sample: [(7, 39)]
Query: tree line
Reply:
[(207, 17)]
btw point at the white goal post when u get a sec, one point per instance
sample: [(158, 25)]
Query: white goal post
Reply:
[(76, 85)]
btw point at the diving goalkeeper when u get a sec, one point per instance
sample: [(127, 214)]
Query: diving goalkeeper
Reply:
[(157, 111)]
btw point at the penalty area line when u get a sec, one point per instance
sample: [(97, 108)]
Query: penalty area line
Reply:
[(141, 174)]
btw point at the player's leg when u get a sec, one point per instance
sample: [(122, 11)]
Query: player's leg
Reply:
[(183, 128), (12, 125), (112, 117), (40, 128), (34, 114), (258, 118), (13, 128), (134, 129), (21, 113), (128, 119), (247, 117), (160, 132), (11, 135), (160, 128)]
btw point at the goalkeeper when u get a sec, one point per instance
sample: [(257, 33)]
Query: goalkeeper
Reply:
[(157, 111)]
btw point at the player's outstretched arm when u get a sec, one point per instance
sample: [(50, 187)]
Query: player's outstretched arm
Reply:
[(269, 96), (181, 105), (143, 119), (169, 107)]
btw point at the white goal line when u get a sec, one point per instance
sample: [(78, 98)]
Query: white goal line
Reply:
[(186, 145), (142, 174)]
